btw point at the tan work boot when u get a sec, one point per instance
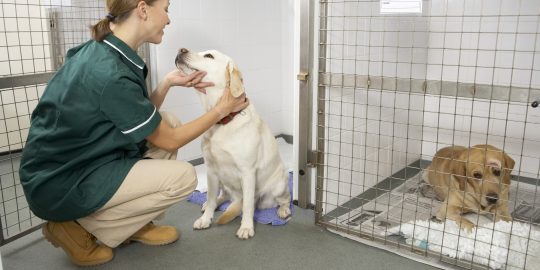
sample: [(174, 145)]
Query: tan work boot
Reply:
[(79, 245), (154, 235)]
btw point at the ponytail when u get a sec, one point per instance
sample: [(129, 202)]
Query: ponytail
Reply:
[(101, 29), (122, 10)]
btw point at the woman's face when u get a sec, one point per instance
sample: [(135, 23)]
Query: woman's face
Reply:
[(158, 18)]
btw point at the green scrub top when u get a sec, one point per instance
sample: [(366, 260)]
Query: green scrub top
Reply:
[(87, 131)]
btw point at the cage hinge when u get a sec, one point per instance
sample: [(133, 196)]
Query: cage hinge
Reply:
[(313, 159)]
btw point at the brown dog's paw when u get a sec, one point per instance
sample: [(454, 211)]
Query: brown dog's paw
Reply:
[(427, 191), (503, 217), (467, 225)]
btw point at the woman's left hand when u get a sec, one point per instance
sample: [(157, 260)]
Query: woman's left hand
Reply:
[(179, 78)]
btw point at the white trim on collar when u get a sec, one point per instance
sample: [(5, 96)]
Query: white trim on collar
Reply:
[(120, 51), (142, 124)]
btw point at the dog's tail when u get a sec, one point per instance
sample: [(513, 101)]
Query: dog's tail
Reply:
[(234, 210)]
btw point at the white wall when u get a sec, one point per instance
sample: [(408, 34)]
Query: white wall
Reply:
[(256, 34)]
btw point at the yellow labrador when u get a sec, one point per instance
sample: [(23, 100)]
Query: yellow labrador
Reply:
[(475, 179), (240, 152)]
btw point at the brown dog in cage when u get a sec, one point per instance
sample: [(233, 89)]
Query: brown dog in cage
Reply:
[(471, 180)]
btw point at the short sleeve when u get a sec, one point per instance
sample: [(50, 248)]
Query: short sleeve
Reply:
[(124, 102)]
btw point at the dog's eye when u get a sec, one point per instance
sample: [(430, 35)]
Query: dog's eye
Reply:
[(209, 56), (477, 175), (497, 172)]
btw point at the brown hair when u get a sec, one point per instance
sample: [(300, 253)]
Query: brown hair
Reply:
[(119, 11)]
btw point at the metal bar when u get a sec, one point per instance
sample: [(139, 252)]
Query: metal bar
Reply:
[(24, 80), (321, 119), (305, 104)]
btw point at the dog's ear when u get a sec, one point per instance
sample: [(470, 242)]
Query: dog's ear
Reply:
[(508, 162), (459, 166), (234, 80), (507, 167)]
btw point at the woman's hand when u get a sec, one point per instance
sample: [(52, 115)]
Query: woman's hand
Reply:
[(179, 78), (227, 103)]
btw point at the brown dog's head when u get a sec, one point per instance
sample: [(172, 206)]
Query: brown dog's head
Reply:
[(484, 173)]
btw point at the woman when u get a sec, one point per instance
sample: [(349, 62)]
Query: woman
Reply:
[(100, 160)]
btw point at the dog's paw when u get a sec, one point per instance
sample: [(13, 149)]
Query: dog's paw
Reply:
[(467, 225), (203, 208), (503, 218), (245, 232), (202, 223), (284, 211)]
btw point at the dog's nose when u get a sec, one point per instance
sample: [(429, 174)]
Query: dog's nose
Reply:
[(492, 198), (180, 55)]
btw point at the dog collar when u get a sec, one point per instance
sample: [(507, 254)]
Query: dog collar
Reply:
[(225, 120)]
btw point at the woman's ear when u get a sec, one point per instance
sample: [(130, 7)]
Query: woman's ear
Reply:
[(141, 10)]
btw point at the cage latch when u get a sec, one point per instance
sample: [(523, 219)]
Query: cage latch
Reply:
[(302, 76)]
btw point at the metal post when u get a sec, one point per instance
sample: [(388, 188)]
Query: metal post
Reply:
[(305, 100)]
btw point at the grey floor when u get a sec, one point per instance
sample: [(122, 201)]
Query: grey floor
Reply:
[(298, 245)]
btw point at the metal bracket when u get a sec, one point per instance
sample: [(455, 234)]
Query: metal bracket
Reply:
[(302, 76)]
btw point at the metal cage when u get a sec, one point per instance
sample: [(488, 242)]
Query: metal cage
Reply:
[(393, 89), (34, 37)]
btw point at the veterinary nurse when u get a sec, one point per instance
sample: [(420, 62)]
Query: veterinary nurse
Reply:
[(100, 159)]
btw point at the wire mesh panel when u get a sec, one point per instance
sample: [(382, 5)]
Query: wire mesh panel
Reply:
[(429, 129), (34, 37)]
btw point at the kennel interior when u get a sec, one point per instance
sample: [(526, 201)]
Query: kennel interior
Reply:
[(398, 80)]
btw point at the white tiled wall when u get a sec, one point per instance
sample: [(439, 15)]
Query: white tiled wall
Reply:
[(24, 40), (256, 34), (484, 49)]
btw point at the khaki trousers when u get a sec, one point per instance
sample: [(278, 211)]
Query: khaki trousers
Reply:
[(149, 189)]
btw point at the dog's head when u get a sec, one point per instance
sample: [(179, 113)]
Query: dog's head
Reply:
[(483, 171), (220, 70)]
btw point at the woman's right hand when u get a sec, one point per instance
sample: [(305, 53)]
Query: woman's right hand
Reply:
[(179, 78), (228, 103)]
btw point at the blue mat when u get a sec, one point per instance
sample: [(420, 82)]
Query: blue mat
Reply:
[(264, 216)]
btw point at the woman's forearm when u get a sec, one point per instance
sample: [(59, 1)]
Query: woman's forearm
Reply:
[(158, 95), (171, 139)]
